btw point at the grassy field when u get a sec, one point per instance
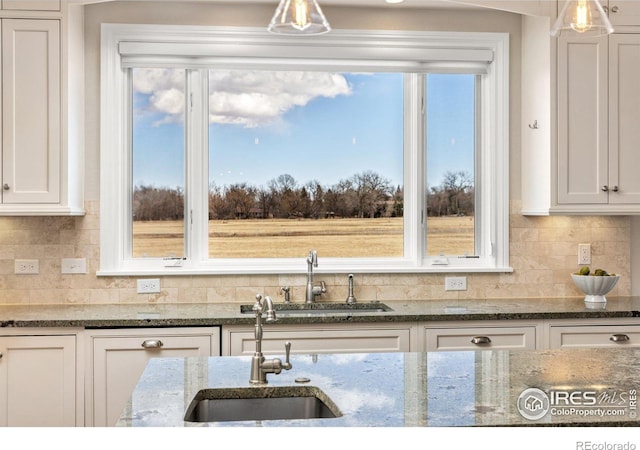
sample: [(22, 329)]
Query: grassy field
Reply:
[(294, 238)]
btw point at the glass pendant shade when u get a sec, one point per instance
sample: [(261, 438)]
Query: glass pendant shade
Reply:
[(583, 17), (299, 17)]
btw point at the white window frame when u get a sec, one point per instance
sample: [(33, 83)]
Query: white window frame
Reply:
[(126, 45)]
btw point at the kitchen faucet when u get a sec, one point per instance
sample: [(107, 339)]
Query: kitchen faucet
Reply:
[(260, 366), (313, 291)]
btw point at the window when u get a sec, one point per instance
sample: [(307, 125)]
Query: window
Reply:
[(235, 151)]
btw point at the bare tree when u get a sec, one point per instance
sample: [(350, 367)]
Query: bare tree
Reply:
[(241, 198), (456, 184), (372, 191)]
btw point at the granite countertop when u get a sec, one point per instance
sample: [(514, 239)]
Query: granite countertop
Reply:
[(212, 314), (481, 388)]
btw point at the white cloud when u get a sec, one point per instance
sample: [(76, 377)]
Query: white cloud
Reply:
[(246, 98), (165, 88)]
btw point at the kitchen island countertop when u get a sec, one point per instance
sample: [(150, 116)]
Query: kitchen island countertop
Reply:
[(481, 388), (213, 314)]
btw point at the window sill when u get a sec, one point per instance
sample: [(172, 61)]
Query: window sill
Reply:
[(248, 270)]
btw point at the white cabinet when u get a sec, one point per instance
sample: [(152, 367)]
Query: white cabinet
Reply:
[(599, 98), (31, 5), (613, 334), (623, 14), (582, 157), (117, 358), (624, 110), (453, 336), (42, 102), (31, 111), (320, 338), (38, 381)]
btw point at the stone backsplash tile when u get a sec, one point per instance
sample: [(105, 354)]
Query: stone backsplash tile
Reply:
[(543, 252)]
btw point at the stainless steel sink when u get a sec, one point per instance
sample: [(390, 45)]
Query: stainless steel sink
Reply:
[(261, 403), (332, 309)]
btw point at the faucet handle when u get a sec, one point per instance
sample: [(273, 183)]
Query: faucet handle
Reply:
[(287, 351)]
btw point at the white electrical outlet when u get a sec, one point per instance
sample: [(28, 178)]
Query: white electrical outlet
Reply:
[(455, 283), (149, 286), (27, 266), (74, 265), (584, 253)]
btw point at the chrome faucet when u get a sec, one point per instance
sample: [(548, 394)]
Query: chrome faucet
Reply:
[(313, 291), (260, 366), (351, 298)]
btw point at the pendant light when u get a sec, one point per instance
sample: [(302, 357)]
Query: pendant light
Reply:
[(299, 17), (584, 17)]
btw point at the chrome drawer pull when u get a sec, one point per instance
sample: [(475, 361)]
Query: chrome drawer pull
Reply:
[(619, 338), (152, 343), (480, 340)]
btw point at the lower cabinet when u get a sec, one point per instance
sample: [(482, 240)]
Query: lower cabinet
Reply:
[(315, 339), (117, 357), (454, 336), (39, 380), (594, 335)]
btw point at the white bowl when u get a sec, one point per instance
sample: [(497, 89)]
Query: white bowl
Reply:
[(595, 287)]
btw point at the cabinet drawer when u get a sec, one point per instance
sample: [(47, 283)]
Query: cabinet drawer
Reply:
[(318, 340), (494, 338), (611, 336)]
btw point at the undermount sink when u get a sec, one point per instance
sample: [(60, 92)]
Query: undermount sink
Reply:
[(304, 309), (261, 403)]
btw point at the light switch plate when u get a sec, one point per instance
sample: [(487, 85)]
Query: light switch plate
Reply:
[(74, 265)]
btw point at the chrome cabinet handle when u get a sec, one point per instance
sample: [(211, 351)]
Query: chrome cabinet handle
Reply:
[(0, 355), (615, 9), (619, 338), (6, 187), (152, 343), (480, 340), (604, 188), (615, 189)]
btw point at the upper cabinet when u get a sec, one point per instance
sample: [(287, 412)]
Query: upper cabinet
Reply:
[(41, 133), (583, 159), (623, 13), (31, 111), (31, 5), (598, 106)]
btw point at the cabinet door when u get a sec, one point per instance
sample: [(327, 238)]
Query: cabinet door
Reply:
[(582, 120), (120, 356), (623, 12), (38, 381), (624, 111), (32, 5), (31, 111)]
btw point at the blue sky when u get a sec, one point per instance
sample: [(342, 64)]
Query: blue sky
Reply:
[(349, 124)]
